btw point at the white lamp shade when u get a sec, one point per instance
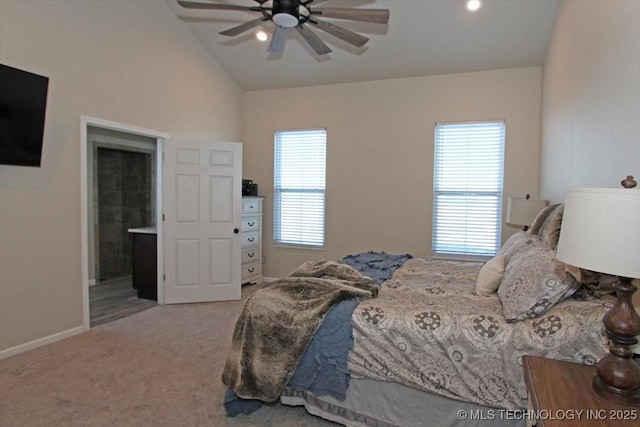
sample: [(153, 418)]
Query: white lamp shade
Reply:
[(522, 211), (601, 231)]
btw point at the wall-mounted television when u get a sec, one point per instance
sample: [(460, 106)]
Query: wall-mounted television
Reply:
[(23, 102)]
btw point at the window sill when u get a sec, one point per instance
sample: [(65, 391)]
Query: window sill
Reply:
[(461, 257), (292, 246)]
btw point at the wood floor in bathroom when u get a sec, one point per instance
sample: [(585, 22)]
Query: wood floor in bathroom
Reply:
[(115, 299)]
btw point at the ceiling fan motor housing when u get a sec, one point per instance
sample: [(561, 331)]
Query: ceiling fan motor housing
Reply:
[(285, 13)]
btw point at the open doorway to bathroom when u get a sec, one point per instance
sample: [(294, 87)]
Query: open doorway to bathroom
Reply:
[(121, 193)]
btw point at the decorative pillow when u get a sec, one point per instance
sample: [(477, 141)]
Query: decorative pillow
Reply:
[(490, 275), (582, 275), (533, 282), (550, 228), (586, 292), (605, 284), (541, 218), (516, 243)]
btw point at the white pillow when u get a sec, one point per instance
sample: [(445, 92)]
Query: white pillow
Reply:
[(490, 275)]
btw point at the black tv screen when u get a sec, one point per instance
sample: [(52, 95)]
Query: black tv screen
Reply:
[(23, 102)]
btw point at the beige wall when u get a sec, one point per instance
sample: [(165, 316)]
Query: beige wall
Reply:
[(591, 107), (380, 152), (128, 62)]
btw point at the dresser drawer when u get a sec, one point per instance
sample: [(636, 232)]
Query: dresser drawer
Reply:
[(250, 206), (250, 255), (250, 224), (250, 270), (251, 238)]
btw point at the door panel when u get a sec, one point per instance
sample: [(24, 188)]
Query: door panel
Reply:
[(187, 262), (222, 248), (187, 198), (203, 199), (220, 187)]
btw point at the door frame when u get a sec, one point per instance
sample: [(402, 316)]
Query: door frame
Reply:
[(85, 122)]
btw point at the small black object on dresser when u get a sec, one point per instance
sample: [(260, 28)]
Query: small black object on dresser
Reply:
[(249, 188)]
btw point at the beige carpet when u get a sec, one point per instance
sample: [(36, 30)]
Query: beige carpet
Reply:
[(160, 367)]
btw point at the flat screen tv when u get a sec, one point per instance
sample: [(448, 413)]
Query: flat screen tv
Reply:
[(23, 102)]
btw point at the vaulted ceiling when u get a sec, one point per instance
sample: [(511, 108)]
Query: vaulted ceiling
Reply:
[(423, 37)]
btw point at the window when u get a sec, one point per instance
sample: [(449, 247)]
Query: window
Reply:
[(300, 178), (467, 189)]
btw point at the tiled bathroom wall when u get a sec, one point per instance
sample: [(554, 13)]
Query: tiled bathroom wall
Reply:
[(124, 200)]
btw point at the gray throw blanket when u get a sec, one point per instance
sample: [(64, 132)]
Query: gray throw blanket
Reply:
[(278, 322)]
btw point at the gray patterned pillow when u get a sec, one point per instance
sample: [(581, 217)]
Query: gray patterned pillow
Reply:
[(541, 218), (533, 282), (550, 229), (516, 243)]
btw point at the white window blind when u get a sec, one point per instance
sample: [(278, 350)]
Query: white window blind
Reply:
[(300, 180), (467, 194)]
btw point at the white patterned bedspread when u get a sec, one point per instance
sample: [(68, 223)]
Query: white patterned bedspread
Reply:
[(429, 330)]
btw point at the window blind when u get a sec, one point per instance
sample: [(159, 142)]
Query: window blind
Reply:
[(299, 184), (467, 199)]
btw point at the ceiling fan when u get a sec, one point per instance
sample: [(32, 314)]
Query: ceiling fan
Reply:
[(299, 14)]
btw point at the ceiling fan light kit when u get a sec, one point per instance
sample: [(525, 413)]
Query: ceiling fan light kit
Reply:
[(285, 13), (298, 14)]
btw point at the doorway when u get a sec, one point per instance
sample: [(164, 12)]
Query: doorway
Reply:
[(121, 178), (123, 199)]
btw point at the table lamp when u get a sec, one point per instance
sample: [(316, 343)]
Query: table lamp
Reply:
[(601, 232), (521, 211)]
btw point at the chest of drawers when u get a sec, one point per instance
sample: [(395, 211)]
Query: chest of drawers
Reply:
[(251, 234)]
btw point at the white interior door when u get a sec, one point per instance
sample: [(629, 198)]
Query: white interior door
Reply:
[(202, 214)]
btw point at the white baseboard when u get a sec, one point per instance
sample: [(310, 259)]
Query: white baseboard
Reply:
[(41, 341), (269, 279), (92, 282)]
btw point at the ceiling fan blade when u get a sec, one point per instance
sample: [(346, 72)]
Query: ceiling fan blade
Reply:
[(277, 40), (217, 6), (380, 16), (340, 32), (243, 27), (314, 41)]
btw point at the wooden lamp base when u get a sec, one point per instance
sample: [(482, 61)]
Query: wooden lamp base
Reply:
[(614, 395), (618, 376)]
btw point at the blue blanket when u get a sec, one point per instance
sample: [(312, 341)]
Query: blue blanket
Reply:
[(380, 266), (323, 369)]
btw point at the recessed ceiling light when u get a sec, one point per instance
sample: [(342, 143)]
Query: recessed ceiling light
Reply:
[(473, 5), (261, 35)]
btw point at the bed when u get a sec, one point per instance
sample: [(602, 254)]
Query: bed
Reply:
[(438, 343)]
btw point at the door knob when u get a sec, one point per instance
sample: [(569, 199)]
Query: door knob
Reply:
[(235, 230)]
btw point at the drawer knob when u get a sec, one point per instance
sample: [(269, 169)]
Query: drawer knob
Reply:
[(251, 224), (251, 239), (251, 255), (236, 231), (251, 270)]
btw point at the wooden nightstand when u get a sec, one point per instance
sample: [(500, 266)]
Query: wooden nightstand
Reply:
[(560, 392)]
